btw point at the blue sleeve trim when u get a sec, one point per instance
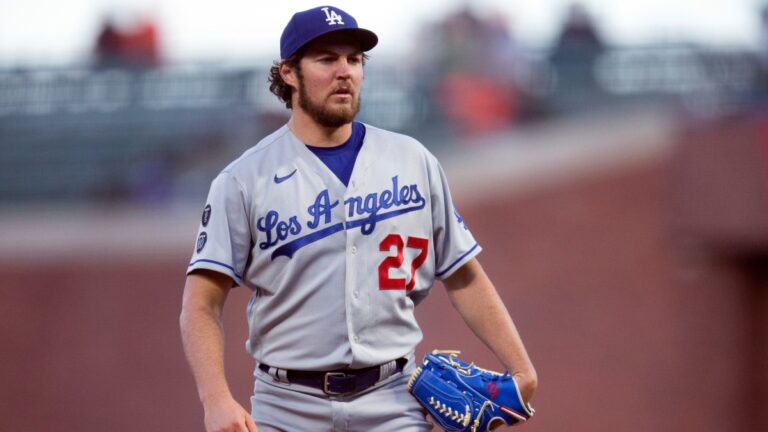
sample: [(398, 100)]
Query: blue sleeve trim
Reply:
[(232, 269), (453, 264)]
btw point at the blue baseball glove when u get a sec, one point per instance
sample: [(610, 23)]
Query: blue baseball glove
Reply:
[(463, 397)]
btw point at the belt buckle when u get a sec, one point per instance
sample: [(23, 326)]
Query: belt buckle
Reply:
[(325, 383)]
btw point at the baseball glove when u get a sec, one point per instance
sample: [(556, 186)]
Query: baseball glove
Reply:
[(464, 397)]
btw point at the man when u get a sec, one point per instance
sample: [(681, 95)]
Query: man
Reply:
[(339, 229)]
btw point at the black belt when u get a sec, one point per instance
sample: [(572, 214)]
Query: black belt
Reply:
[(341, 381)]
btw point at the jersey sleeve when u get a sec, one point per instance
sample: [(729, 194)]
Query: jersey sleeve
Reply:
[(224, 237), (454, 243)]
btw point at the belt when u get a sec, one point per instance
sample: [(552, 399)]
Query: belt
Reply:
[(340, 381)]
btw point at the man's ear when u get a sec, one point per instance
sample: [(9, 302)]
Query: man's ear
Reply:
[(288, 74)]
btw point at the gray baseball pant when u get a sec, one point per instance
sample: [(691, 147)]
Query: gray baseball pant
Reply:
[(385, 407)]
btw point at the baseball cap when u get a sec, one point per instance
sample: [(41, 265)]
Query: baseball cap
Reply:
[(306, 26)]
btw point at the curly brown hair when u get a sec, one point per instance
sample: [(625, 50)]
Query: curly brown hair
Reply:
[(277, 85)]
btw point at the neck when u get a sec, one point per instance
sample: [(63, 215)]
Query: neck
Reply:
[(311, 133)]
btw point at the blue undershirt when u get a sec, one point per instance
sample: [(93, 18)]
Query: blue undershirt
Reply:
[(341, 159)]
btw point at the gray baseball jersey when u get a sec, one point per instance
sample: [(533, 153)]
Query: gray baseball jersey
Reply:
[(335, 270)]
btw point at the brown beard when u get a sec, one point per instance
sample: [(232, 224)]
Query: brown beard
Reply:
[(322, 115)]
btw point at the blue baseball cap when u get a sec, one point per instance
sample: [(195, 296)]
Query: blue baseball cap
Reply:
[(306, 26)]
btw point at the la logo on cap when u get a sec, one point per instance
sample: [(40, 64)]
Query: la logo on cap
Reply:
[(308, 25), (331, 17)]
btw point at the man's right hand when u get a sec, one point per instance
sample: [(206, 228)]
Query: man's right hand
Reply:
[(226, 415), (202, 333)]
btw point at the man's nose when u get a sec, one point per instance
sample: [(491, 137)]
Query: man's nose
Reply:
[(344, 69)]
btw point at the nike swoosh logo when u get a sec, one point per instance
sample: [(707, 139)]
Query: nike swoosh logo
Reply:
[(282, 179)]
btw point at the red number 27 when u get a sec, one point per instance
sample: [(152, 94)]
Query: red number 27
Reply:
[(396, 261)]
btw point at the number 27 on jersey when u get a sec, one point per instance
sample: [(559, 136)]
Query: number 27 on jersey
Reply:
[(395, 243)]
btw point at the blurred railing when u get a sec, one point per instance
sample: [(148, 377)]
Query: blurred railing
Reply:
[(704, 81), (85, 135), (63, 92)]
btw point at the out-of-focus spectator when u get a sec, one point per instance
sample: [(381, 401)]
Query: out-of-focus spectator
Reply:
[(108, 49), (142, 48), (461, 36), (475, 104), (134, 46), (578, 47), (472, 61)]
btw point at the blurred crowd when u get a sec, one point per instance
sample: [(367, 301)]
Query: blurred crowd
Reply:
[(486, 80), (468, 75), (476, 76)]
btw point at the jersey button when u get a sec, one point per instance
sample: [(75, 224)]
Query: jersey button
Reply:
[(354, 250), (357, 339), (355, 294)]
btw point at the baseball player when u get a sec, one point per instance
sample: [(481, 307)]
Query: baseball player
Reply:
[(339, 229)]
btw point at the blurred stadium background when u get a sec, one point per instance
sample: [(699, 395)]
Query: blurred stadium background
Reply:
[(615, 171)]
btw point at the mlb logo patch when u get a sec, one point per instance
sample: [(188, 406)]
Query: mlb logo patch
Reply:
[(201, 240)]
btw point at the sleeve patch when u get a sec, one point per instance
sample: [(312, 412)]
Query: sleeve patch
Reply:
[(201, 240)]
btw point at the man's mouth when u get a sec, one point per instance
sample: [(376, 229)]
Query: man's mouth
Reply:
[(342, 91)]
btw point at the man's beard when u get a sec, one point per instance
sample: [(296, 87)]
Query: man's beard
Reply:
[(322, 114)]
